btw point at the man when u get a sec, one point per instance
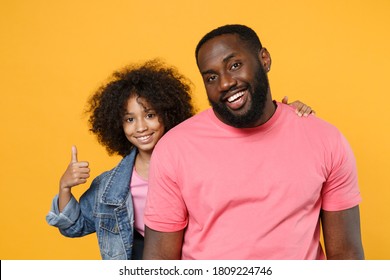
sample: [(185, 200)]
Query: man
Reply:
[(249, 179)]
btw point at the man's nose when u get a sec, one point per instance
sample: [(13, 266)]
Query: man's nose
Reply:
[(226, 82)]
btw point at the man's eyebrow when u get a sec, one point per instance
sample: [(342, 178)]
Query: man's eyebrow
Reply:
[(226, 59), (207, 72), (230, 56)]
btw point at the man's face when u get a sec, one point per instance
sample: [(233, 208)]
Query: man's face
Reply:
[(235, 81)]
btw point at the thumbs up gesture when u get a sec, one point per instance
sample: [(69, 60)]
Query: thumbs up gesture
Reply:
[(76, 173)]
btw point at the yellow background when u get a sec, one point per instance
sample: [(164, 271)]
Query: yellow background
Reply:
[(333, 55)]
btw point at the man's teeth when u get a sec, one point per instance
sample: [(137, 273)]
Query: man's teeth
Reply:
[(235, 96)]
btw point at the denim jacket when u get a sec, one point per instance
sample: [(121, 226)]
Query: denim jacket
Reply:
[(105, 208)]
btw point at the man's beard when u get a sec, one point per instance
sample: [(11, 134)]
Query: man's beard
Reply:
[(256, 109)]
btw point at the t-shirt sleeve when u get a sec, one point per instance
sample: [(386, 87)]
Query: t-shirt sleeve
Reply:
[(165, 209), (341, 190)]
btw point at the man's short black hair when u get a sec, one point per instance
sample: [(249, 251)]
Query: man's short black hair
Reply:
[(244, 32)]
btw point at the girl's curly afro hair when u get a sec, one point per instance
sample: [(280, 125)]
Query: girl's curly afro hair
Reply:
[(162, 87)]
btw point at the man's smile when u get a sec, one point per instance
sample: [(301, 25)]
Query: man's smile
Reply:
[(237, 100)]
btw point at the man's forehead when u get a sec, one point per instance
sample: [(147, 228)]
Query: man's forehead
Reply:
[(220, 49), (219, 45)]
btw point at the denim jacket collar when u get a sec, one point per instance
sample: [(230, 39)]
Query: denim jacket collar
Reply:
[(117, 187)]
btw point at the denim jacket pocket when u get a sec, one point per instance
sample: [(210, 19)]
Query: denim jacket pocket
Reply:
[(110, 241)]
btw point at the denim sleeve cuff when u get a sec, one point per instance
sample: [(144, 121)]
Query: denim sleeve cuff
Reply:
[(67, 217)]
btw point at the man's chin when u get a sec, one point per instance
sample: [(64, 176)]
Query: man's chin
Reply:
[(235, 120), (239, 118)]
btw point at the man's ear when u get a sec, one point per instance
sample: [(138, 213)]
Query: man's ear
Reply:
[(265, 59)]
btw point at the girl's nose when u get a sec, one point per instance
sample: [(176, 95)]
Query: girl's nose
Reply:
[(141, 126)]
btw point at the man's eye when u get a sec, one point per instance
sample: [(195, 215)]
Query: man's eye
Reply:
[(211, 78), (235, 65)]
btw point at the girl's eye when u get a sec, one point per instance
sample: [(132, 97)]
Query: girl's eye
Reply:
[(150, 115), (129, 120)]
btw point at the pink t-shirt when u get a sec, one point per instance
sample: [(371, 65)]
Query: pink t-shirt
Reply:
[(251, 193), (139, 189)]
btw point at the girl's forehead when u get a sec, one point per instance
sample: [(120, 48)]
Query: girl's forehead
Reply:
[(136, 100)]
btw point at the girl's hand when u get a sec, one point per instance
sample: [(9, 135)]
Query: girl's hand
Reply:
[(76, 173), (301, 109)]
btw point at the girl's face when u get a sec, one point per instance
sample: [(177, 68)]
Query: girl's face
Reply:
[(141, 125)]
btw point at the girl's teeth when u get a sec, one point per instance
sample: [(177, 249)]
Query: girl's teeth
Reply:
[(143, 138)]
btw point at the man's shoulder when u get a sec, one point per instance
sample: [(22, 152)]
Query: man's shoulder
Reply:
[(311, 121), (185, 132), (192, 124), (312, 127)]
